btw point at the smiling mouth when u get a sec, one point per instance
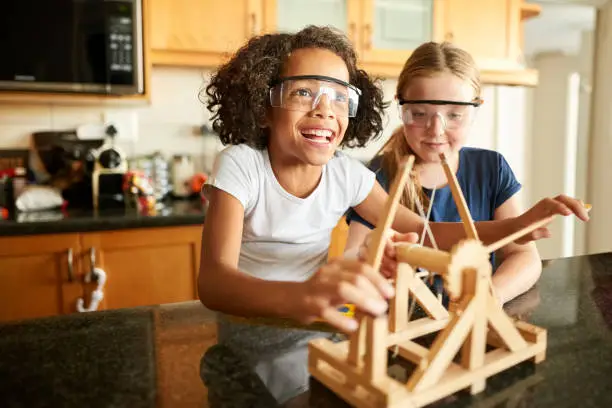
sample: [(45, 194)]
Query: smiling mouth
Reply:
[(320, 136)]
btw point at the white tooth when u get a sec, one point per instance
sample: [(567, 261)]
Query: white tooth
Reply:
[(318, 132)]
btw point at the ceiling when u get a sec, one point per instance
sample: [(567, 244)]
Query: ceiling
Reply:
[(560, 25)]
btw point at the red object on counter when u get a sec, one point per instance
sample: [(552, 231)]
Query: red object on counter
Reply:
[(7, 172), (4, 213), (197, 181)]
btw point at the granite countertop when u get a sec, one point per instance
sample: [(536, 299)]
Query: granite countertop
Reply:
[(158, 356), (174, 213)]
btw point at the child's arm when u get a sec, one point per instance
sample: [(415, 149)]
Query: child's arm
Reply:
[(357, 233), (520, 266), (222, 287), (448, 234)]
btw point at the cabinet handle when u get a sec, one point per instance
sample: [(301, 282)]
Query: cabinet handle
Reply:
[(367, 37), (70, 267), (92, 260), (254, 30), (353, 32)]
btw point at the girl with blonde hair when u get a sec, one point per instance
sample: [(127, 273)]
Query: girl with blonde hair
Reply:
[(438, 94)]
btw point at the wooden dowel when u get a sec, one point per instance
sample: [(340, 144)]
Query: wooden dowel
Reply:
[(434, 260), (378, 239), (464, 212), (514, 236), (376, 253)]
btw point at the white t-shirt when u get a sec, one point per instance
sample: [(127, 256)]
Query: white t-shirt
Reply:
[(286, 238)]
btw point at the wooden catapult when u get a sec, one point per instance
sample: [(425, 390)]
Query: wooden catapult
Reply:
[(475, 325)]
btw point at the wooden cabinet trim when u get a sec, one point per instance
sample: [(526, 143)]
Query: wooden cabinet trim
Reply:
[(134, 238)]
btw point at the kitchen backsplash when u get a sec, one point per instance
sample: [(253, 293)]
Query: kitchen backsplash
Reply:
[(170, 122), (167, 124)]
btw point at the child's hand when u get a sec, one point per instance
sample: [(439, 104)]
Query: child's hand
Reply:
[(560, 205), (388, 266), (344, 281)]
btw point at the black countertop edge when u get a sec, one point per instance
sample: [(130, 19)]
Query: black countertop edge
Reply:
[(174, 214)]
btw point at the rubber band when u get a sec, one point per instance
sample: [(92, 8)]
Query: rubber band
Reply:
[(426, 228)]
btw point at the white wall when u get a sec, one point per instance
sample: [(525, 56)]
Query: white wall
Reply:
[(549, 139), (599, 238), (559, 143), (167, 124)]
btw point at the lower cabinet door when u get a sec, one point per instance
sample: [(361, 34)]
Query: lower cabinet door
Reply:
[(141, 267)]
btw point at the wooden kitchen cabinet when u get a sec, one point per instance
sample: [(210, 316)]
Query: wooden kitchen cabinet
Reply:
[(491, 30), (492, 41), (40, 276), (45, 275), (200, 32), (144, 267), (384, 32)]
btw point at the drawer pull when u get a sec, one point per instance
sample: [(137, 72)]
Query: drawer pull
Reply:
[(92, 259), (70, 267)]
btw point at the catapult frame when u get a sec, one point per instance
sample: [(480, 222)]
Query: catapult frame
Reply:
[(356, 369)]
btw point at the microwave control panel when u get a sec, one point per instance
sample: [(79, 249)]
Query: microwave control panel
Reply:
[(120, 44)]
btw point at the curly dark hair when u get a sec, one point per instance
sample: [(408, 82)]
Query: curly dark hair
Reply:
[(238, 92)]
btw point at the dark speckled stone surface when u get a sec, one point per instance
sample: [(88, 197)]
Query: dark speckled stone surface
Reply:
[(175, 213), (155, 356)]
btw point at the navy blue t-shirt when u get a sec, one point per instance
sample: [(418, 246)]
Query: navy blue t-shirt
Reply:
[(485, 178)]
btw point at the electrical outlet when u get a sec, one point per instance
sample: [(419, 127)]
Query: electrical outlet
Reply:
[(126, 123)]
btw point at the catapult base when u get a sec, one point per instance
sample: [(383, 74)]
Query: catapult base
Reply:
[(328, 364)]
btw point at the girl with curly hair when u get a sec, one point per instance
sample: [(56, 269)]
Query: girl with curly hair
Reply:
[(285, 103)]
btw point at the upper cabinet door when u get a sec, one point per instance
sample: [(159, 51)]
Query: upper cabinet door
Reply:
[(293, 15), (201, 27), (391, 29), (493, 39)]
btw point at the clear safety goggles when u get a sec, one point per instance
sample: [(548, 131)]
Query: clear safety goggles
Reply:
[(452, 114), (305, 92)]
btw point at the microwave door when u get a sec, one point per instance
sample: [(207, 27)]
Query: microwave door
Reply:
[(83, 46), (89, 52)]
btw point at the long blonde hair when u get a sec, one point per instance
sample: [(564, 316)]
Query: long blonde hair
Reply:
[(427, 60)]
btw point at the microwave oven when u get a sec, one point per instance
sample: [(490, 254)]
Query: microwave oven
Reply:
[(78, 46)]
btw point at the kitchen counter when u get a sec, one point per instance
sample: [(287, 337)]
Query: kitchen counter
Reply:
[(151, 356), (175, 213)]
